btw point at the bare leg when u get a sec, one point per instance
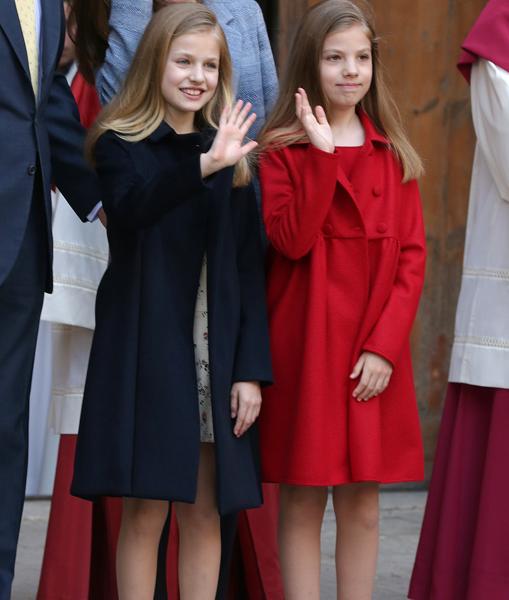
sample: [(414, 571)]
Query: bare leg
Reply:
[(300, 522), (357, 516), (142, 523), (200, 535)]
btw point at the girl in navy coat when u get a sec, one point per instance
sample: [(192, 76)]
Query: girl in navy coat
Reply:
[(181, 342)]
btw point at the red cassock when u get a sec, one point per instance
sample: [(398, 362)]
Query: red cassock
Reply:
[(345, 273)]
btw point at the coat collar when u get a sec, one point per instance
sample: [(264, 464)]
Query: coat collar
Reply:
[(371, 132), (164, 131)]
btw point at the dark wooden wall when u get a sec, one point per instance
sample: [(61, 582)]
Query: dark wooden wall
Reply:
[(421, 42)]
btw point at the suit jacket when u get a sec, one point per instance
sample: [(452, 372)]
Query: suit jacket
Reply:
[(40, 137), (255, 76)]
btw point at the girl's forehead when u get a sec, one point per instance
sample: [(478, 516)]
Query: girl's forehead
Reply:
[(353, 35), (197, 41)]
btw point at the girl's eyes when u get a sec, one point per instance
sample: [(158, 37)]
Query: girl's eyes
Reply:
[(337, 57), (185, 61)]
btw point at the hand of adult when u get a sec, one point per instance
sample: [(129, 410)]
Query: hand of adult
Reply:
[(315, 124), (229, 146), (374, 372), (246, 401)]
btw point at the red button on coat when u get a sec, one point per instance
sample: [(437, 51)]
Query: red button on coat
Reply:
[(377, 190), (381, 227)]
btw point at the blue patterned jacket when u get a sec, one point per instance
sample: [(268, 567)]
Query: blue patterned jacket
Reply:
[(242, 20)]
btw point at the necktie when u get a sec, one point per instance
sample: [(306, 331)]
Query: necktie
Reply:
[(26, 13)]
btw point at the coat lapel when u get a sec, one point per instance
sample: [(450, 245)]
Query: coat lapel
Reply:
[(51, 23), (227, 21), (9, 23), (234, 38)]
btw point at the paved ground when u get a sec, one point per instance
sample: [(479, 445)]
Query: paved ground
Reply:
[(401, 519)]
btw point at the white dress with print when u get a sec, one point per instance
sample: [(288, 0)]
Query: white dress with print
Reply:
[(201, 354)]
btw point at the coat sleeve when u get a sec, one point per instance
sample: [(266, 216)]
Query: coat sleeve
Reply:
[(128, 20), (295, 210), (392, 329), (133, 200), (70, 172), (252, 357), (490, 112)]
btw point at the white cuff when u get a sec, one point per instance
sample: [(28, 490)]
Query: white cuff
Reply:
[(92, 215)]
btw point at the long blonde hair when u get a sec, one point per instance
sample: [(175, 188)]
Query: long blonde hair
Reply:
[(303, 70), (139, 108)]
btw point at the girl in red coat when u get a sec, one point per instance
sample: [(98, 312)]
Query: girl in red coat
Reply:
[(345, 271)]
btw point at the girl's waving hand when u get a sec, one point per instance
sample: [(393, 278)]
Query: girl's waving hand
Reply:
[(315, 124), (228, 146)]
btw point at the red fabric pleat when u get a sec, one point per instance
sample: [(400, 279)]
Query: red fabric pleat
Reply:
[(257, 531), (172, 573), (66, 564)]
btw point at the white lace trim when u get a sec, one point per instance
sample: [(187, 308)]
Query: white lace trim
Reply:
[(487, 273), (482, 341)]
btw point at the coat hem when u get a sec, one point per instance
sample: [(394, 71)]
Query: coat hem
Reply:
[(344, 481), (96, 496)]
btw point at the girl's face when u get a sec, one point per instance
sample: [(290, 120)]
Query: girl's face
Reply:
[(191, 75), (346, 67)]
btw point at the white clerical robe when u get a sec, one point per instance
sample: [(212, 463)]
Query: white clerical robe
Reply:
[(480, 355), (79, 261)]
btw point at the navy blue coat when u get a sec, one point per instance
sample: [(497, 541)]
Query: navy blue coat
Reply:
[(139, 432), (39, 138)]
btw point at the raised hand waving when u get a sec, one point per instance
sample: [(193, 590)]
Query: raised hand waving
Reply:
[(315, 124), (229, 146)]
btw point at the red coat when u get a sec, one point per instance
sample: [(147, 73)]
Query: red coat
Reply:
[(345, 273)]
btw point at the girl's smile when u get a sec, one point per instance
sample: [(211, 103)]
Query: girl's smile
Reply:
[(192, 92)]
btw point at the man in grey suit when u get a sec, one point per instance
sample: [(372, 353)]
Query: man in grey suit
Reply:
[(41, 142)]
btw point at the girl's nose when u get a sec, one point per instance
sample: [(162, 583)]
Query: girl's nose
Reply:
[(350, 68), (197, 74)]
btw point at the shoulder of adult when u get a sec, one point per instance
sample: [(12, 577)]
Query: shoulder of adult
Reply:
[(488, 38), (241, 10)]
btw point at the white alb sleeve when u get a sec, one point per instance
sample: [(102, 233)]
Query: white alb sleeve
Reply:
[(490, 111)]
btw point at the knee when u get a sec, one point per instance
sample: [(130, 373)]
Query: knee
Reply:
[(302, 504), (144, 518), (358, 506), (196, 518)]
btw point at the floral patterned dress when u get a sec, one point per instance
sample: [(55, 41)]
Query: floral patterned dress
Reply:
[(201, 354)]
